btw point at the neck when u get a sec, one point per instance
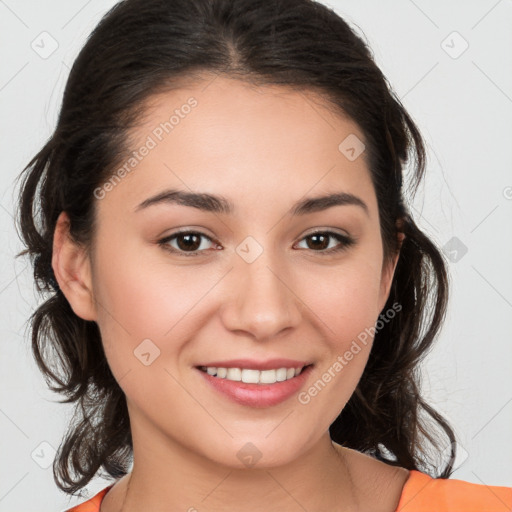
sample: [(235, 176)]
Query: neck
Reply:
[(316, 481)]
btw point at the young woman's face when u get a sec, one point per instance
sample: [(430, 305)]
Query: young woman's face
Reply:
[(251, 284)]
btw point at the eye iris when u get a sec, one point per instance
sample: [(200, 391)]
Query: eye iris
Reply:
[(322, 245), (190, 246)]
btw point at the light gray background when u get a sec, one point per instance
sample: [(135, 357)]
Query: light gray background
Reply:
[(462, 102)]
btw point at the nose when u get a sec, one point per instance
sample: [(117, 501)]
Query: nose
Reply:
[(262, 302)]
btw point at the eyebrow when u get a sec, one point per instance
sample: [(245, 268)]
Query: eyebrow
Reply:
[(219, 204)]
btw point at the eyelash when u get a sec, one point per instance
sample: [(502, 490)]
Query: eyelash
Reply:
[(346, 242)]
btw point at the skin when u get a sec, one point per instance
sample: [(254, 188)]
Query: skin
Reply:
[(263, 148)]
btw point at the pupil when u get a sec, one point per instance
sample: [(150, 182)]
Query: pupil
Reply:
[(188, 245), (316, 237)]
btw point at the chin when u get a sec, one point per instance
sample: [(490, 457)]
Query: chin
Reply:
[(257, 451)]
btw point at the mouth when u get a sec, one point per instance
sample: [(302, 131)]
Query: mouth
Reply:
[(253, 387), (253, 376)]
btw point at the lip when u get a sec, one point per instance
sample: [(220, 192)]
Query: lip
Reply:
[(251, 364), (257, 395)]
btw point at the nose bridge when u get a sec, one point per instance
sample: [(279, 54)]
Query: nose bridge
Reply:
[(263, 303)]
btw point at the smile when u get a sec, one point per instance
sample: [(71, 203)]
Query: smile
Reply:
[(251, 376), (256, 388)]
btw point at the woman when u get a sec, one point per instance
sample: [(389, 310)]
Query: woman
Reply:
[(240, 297)]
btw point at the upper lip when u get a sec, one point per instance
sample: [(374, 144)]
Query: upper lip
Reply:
[(252, 364)]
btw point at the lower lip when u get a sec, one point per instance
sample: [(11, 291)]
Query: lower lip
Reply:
[(258, 395)]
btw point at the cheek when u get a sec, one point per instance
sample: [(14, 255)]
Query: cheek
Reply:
[(148, 300), (143, 293), (344, 298), (344, 301)]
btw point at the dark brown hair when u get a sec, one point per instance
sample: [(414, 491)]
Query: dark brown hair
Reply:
[(142, 47)]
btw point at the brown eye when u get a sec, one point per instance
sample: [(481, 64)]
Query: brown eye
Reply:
[(188, 243), (320, 242)]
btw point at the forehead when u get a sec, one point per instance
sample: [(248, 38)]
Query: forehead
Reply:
[(258, 143)]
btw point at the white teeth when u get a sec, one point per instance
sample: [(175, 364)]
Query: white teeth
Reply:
[(251, 376), (234, 374), (281, 374), (267, 376)]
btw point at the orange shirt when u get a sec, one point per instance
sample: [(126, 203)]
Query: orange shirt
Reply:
[(421, 493)]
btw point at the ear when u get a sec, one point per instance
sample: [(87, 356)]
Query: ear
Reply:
[(72, 269), (388, 272)]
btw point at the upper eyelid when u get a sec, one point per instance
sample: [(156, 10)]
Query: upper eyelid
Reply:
[(201, 233)]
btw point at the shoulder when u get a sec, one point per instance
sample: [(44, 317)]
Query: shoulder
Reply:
[(397, 489), (422, 493), (92, 505)]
